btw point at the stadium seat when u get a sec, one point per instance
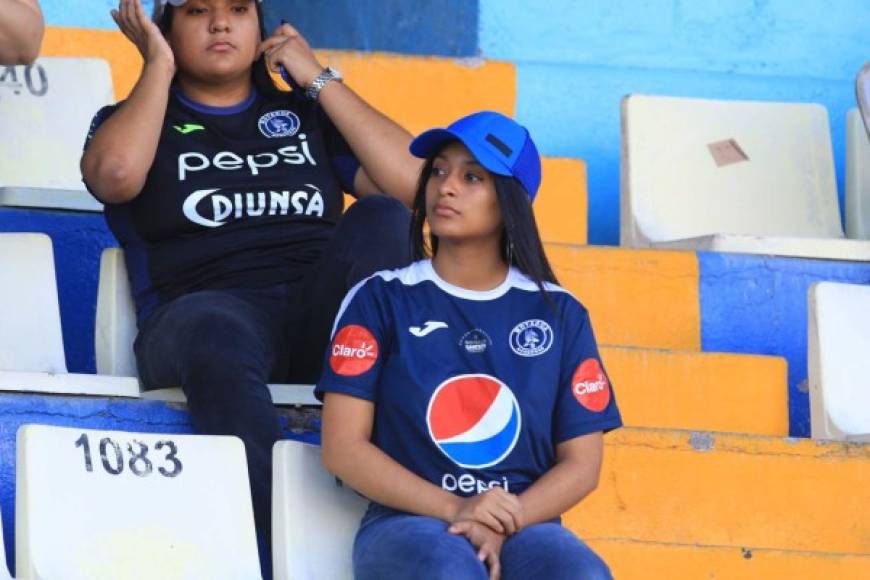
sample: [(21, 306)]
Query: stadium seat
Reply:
[(731, 176), (857, 177), (46, 110), (314, 518), (31, 343), (116, 330), (93, 505), (862, 91), (838, 345)]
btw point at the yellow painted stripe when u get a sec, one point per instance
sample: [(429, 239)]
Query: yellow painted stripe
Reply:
[(643, 298), (111, 46), (702, 391), (424, 92), (634, 560), (418, 92), (561, 204), (730, 490)]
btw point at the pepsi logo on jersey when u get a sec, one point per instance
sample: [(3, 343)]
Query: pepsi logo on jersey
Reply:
[(474, 420), (354, 351), (590, 386)]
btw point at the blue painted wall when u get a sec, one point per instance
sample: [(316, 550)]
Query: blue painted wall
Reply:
[(97, 413), (576, 60), (446, 27), (757, 304)]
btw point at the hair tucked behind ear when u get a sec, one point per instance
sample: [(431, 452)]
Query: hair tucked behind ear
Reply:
[(521, 242)]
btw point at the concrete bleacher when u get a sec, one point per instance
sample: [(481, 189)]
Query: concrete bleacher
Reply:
[(707, 353)]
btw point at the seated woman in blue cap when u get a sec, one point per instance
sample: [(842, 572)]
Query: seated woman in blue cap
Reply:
[(464, 394)]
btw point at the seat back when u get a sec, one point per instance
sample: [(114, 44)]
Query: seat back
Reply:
[(857, 177), (696, 167), (47, 109), (862, 91), (838, 345), (94, 505), (115, 328), (314, 520), (30, 330)]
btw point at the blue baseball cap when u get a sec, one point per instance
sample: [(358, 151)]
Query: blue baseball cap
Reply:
[(499, 144)]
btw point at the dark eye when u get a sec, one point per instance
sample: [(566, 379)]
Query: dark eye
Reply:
[(472, 177), (437, 171), (196, 10), (240, 9)]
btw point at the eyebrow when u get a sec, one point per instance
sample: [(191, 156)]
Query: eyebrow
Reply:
[(466, 161)]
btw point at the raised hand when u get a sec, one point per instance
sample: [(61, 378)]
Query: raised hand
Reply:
[(138, 27), (287, 48), (487, 542), (495, 508)]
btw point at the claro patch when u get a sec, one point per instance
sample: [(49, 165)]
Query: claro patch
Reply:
[(354, 351), (590, 386)]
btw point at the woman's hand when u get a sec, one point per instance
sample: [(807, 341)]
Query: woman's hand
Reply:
[(487, 542), (499, 510), (287, 48), (136, 26)]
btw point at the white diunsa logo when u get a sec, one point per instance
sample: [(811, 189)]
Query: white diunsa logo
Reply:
[(252, 204)]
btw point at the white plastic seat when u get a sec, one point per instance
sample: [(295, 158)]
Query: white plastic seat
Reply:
[(93, 505), (116, 330), (31, 343), (47, 110), (314, 518), (862, 91), (731, 176), (839, 366), (857, 177)]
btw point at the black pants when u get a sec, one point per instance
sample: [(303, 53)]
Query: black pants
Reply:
[(223, 346)]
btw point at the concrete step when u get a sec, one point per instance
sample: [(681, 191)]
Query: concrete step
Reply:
[(700, 391), (634, 559), (730, 491), (642, 298)]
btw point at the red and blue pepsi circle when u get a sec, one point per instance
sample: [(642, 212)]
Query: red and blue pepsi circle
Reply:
[(474, 420)]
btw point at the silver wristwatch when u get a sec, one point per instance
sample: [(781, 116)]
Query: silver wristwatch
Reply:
[(329, 74)]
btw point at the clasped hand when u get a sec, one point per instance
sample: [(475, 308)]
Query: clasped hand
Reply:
[(486, 520)]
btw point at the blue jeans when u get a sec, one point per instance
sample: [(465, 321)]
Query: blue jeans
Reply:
[(392, 544), (223, 346)]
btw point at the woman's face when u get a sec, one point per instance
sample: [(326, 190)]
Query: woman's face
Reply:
[(461, 201), (215, 39)]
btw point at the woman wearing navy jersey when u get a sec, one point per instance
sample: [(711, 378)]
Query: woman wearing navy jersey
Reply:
[(226, 196), (464, 394)]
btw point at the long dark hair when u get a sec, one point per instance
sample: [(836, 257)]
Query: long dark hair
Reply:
[(259, 72), (521, 244)]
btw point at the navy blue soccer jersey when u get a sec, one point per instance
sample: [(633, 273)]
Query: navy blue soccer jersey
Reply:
[(237, 197), (471, 389)]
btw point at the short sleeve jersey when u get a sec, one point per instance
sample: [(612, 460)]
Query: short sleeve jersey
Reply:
[(471, 389), (243, 196)]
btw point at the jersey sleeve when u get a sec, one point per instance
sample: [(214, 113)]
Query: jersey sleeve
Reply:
[(98, 120), (586, 402), (342, 159), (355, 356)]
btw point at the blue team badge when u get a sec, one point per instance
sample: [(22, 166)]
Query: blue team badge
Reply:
[(531, 338), (475, 341), (474, 420), (281, 123)]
